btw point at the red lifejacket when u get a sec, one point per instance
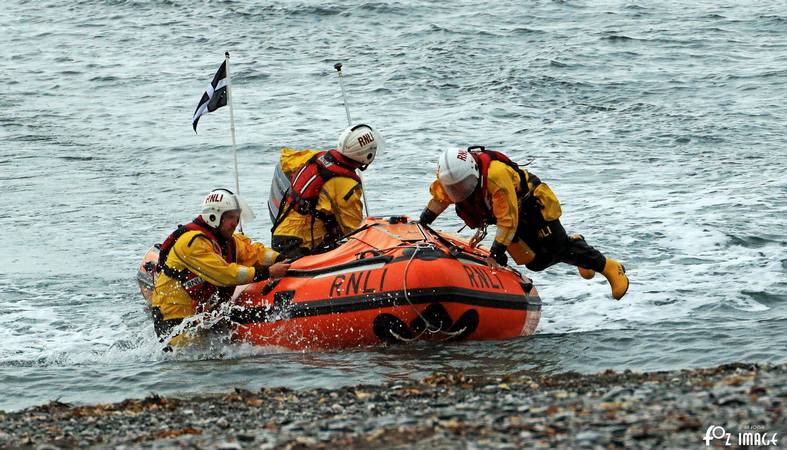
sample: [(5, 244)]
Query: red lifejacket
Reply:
[(201, 292), (307, 182), (475, 210)]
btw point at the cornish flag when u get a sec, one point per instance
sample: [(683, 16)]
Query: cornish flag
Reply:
[(214, 97)]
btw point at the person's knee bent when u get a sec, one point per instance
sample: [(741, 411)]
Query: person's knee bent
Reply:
[(540, 263), (162, 325)]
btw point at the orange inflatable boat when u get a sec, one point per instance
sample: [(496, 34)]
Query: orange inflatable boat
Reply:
[(390, 281)]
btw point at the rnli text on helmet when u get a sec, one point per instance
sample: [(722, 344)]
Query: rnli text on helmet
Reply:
[(365, 139), (462, 154), (214, 198)]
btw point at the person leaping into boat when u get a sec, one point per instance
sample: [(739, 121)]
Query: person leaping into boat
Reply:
[(202, 262), (488, 188), (323, 202)]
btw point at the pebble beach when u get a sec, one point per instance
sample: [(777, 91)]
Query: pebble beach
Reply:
[(668, 409)]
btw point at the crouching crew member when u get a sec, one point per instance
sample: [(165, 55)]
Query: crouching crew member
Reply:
[(488, 188), (323, 202), (201, 263)]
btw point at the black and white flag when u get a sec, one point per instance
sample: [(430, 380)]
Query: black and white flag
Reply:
[(214, 97)]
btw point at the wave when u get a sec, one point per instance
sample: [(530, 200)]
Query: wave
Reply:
[(619, 37)]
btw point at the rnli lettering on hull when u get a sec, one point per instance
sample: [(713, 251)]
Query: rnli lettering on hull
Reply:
[(371, 281), (480, 279), (343, 285)]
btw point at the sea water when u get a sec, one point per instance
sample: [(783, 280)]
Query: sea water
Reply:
[(660, 126)]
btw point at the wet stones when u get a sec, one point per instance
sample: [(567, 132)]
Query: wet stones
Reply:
[(446, 410)]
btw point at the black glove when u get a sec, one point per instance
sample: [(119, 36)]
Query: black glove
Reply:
[(427, 216), (261, 273), (498, 252)]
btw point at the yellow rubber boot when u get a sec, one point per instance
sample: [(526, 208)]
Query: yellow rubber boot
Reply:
[(184, 339), (616, 275)]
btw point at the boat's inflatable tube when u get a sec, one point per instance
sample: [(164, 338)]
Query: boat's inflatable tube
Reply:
[(390, 281)]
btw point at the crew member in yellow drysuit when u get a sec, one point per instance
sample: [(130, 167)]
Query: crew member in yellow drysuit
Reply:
[(323, 202), (201, 263), (488, 188)]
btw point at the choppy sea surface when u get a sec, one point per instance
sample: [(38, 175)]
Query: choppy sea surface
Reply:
[(660, 125)]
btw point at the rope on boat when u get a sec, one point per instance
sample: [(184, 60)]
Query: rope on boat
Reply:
[(364, 242), (427, 325), (449, 334)]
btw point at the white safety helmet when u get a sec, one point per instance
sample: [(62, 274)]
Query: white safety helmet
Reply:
[(458, 173), (220, 201), (360, 143)]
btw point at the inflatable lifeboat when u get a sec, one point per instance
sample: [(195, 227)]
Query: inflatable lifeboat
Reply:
[(390, 281)]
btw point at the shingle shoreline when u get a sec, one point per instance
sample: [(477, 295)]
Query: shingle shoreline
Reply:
[(450, 410)]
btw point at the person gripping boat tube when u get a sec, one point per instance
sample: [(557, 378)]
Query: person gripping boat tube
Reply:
[(202, 262), (488, 188)]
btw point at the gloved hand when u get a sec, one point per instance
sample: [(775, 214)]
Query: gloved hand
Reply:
[(498, 253), (275, 271), (261, 273), (427, 216), (278, 270)]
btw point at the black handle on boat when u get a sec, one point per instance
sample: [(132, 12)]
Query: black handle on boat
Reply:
[(385, 259), (453, 250)]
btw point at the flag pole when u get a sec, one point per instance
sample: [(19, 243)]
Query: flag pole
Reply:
[(232, 129), (338, 67)]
